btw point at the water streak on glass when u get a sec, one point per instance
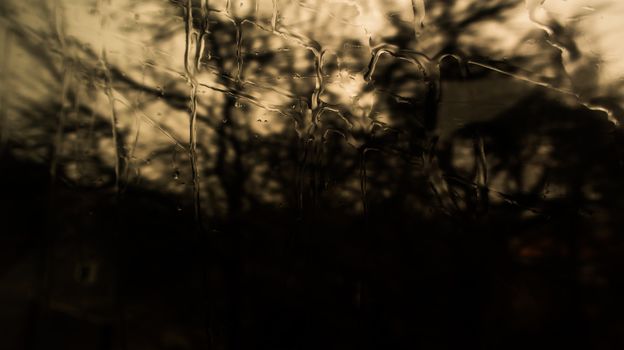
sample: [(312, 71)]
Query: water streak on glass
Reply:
[(311, 174)]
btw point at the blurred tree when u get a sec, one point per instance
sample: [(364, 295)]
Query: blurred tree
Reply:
[(309, 122)]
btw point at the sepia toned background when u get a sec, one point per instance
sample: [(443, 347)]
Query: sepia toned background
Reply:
[(280, 174)]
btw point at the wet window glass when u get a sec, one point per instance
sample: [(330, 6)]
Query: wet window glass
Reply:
[(311, 174)]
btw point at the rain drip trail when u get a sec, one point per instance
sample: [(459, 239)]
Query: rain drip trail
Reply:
[(318, 89), (79, 144), (191, 40), (67, 76), (553, 38), (58, 137), (481, 174), (136, 111), (394, 51), (274, 17), (108, 90), (308, 163), (316, 109), (522, 78), (120, 161), (117, 141), (418, 7), (532, 7), (610, 115), (205, 27), (5, 88), (239, 57), (194, 42)]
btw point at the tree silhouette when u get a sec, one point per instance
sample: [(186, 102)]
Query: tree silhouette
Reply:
[(280, 175)]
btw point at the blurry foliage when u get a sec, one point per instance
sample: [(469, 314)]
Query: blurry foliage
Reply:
[(322, 191)]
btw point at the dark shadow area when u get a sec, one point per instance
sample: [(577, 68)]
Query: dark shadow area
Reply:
[(512, 268)]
